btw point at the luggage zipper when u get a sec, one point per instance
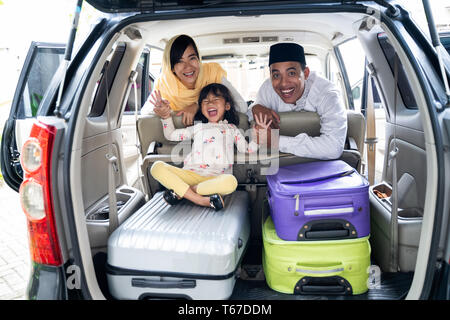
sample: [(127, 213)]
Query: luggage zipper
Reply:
[(314, 193), (297, 204), (332, 176)]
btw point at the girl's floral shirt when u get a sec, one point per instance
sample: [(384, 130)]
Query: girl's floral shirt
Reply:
[(213, 145)]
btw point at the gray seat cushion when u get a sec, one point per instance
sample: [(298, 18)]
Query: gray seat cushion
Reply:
[(252, 170)]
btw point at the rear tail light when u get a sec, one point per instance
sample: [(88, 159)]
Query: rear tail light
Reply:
[(32, 199), (36, 195), (31, 159)]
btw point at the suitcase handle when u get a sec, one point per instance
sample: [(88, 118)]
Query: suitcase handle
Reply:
[(320, 268), (334, 285), (328, 234), (170, 284), (327, 229)]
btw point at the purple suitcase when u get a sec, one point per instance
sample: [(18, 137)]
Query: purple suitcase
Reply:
[(323, 200)]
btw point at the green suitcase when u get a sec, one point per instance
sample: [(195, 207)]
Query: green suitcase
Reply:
[(315, 267)]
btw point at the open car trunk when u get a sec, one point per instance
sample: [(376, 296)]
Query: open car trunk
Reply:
[(236, 39)]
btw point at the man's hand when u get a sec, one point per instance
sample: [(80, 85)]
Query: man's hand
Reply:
[(162, 106), (262, 129), (269, 113), (189, 114)]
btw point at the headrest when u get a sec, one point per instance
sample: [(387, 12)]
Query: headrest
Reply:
[(243, 121)]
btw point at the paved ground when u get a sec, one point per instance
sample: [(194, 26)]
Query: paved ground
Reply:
[(14, 253)]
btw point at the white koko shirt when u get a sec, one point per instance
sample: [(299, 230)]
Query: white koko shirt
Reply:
[(321, 96), (213, 145)]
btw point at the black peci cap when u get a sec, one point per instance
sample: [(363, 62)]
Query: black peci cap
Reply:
[(282, 52)]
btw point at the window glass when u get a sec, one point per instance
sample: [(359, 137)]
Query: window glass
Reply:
[(440, 10), (139, 83), (335, 76), (333, 72), (106, 80), (156, 56), (248, 73), (354, 60), (155, 65), (380, 133), (445, 40), (43, 66), (314, 64), (152, 69), (403, 85)]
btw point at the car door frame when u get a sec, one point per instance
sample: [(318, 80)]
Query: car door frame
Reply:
[(429, 105), (10, 163), (412, 40)]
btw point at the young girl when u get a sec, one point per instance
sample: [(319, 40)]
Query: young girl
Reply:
[(206, 174)]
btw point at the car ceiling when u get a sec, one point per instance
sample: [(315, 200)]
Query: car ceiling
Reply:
[(316, 32)]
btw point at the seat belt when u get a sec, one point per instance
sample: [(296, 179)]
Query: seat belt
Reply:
[(394, 197), (112, 167), (371, 137)]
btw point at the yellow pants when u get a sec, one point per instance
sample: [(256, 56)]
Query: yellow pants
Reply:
[(179, 180)]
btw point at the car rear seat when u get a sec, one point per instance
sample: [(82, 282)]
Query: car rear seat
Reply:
[(154, 145)]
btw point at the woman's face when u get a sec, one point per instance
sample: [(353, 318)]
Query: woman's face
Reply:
[(188, 68), (214, 107)]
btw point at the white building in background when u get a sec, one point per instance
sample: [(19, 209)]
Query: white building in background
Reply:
[(443, 19), (24, 21), (441, 13), (10, 66)]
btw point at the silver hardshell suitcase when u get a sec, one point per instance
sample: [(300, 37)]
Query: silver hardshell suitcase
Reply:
[(181, 251)]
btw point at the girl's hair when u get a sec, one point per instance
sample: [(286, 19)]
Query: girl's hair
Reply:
[(179, 46), (218, 90)]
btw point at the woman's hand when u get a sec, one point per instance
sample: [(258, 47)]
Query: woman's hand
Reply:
[(162, 106), (262, 128), (189, 114)]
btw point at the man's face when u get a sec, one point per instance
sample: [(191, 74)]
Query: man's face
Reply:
[(288, 80)]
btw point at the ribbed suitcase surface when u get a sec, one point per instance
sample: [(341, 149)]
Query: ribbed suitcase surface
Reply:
[(315, 267), (172, 249), (322, 200)]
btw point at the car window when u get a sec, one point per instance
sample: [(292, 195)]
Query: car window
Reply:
[(156, 56), (445, 40), (104, 84), (403, 85), (44, 65), (150, 65), (354, 60), (335, 76), (248, 73), (140, 82)]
